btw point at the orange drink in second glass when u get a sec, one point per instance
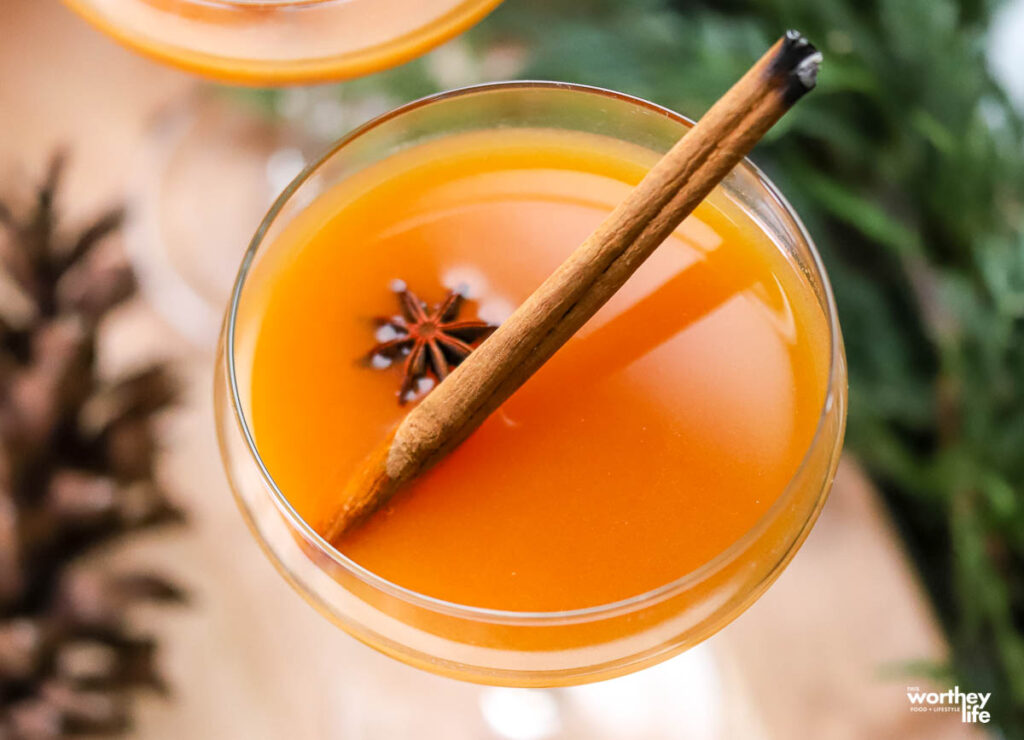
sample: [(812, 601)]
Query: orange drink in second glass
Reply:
[(267, 42), (635, 494)]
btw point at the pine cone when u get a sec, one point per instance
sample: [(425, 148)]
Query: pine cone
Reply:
[(76, 473)]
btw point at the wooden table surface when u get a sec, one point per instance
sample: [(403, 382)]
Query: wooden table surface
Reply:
[(817, 657)]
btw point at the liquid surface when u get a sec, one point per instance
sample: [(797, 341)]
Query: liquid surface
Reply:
[(648, 445)]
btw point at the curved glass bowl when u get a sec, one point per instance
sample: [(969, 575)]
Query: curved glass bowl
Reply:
[(486, 645), (265, 42)]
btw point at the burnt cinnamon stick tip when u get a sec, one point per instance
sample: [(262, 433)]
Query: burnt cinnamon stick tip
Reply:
[(796, 64)]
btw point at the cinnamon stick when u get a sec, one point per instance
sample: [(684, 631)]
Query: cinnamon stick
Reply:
[(585, 281)]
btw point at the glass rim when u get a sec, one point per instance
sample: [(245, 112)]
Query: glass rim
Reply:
[(505, 616)]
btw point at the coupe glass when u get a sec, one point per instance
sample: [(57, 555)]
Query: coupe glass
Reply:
[(525, 649), (272, 42)]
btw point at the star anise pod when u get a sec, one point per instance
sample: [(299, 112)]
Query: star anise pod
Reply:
[(432, 342)]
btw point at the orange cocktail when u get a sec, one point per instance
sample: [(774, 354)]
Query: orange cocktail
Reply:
[(654, 474), (653, 441), (282, 41)]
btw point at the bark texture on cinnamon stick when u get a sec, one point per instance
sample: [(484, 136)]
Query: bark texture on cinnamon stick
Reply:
[(584, 282)]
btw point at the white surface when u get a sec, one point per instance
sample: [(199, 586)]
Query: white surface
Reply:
[(1006, 50)]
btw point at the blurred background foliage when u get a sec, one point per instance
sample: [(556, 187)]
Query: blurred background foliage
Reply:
[(907, 166)]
